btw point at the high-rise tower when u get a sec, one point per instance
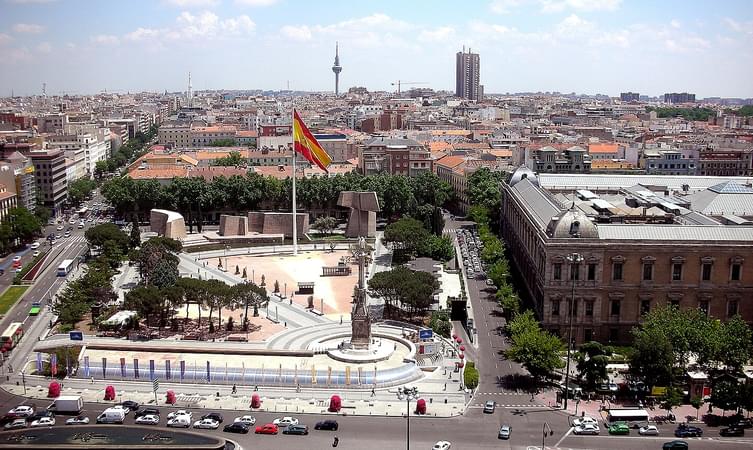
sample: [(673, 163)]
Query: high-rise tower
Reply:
[(467, 68), (337, 69), (190, 90)]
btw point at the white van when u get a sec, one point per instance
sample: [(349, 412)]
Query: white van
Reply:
[(111, 415)]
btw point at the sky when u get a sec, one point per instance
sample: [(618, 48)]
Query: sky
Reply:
[(582, 46)]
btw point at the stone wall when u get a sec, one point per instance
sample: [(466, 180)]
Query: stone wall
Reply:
[(233, 225), (277, 223), (166, 223)]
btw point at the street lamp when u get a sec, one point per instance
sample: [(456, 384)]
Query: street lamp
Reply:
[(574, 259), (410, 394), (544, 433)]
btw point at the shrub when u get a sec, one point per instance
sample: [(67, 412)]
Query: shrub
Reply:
[(470, 375)]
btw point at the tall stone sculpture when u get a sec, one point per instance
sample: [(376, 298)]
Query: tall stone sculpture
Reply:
[(360, 320), (363, 208)]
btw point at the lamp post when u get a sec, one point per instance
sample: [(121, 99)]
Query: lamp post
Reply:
[(544, 433), (410, 394), (574, 259)]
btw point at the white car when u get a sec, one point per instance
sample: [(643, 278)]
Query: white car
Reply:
[(35, 254), (285, 421), (43, 422), (60, 228), (179, 422), (125, 410), (648, 430), (16, 258), (79, 420), (209, 424), (21, 411), (249, 420), (180, 412), (149, 419), (584, 420), (587, 428), (442, 445), (35, 246)]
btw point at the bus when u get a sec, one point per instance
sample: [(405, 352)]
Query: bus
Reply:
[(11, 336), (65, 267), (631, 416), (83, 212)]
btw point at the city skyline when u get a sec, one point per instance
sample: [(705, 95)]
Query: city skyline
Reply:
[(582, 46)]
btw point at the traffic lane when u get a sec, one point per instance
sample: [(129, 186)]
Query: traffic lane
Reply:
[(638, 442)]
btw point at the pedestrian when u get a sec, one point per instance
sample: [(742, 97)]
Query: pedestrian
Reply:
[(335, 441), (92, 380), (373, 392), (256, 388), (235, 389), (445, 387)]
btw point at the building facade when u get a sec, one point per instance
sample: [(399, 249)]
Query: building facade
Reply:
[(726, 162), (467, 75), (396, 156), (630, 96), (50, 173)]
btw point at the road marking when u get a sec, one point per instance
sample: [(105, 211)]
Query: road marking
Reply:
[(570, 430)]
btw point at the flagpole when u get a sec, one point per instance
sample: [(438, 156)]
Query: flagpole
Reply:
[(295, 215)]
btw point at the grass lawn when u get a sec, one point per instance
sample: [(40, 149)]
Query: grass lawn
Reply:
[(10, 297)]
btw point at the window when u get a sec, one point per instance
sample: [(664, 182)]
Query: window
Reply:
[(735, 272), (588, 335), (557, 271), (555, 307), (648, 272), (703, 305), (591, 272), (731, 308), (615, 309), (590, 308), (617, 271), (645, 306), (574, 272), (614, 334), (676, 272), (706, 272)]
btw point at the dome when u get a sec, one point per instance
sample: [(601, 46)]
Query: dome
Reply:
[(521, 173), (572, 224)]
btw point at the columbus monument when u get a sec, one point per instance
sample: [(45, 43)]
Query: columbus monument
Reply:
[(360, 321)]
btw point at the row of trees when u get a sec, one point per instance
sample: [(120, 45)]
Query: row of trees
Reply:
[(80, 190), (134, 148), (404, 291), (409, 238), (194, 196), (695, 114), (20, 225), (535, 349)]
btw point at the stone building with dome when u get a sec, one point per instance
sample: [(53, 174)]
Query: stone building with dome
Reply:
[(642, 241)]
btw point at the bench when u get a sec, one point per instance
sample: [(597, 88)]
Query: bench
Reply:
[(236, 339)]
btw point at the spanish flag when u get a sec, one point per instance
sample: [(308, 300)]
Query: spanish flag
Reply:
[(305, 143)]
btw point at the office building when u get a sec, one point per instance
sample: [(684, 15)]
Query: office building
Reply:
[(50, 172), (630, 96), (467, 72), (682, 97)]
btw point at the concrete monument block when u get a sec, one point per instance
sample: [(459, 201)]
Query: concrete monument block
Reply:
[(233, 225), (363, 208), (166, 223), (277, 223)]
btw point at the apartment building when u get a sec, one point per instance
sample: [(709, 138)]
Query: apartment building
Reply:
[(397, 156), (726, 162), (50, 172), (17, 174), (7, 201)]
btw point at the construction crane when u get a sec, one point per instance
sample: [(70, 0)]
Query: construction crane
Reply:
[(406, 83)]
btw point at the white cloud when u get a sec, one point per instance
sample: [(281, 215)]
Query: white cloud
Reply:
[(674, 23), (44, 47), (18, 55), (733, 24), (504, 6), (105, 39), (239, 25), (4, 38), (553, 6), (619, 38), (296, 33), (255, 2), (441, 34), (573, 25), (193, 3), (376, 30), (28, 28), (205, 25)]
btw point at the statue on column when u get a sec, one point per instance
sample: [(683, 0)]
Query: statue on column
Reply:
[(360, 320)]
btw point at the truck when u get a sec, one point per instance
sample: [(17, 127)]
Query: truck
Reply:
[(111, 415), (67, 404)]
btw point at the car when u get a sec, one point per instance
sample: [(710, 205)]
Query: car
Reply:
[(21, 411), (584, 420), (15, 425), (180, 412), (613, 387), (732, 431), (330, 425), (648, 430), (60, 228), (236, 427), (39, 414), (587, 428), (269, 428), (122, 408), (16, 258), (675, 445), (35, 309), (285, 421), (504, 432), (131, 405), (58, 236), (207, 424), (35, 254), (214, 416), (442, 445), (743, 423), (43, 422), (147, 419), (296, 429), (688, 431), (146, 412), (19, 270), (78, 420), (248, 420), (489, 407), (619, 428), (34, 245), (179, 422)]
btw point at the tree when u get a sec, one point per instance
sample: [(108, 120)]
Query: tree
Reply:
[(697, 403), (42, 213), (653, 357), (484, 189), (24, 225), (537, 350), (234, 159), (406, 234), (101, 167), (225, 143), (99, 234), (440, 323), (248, 294), (672, 398), (146, 300), (726, 395), (135, 235), (592, 359), (157, 251), (80, 189), (493, 250), (734, 344), (412, 290), (325, 225)]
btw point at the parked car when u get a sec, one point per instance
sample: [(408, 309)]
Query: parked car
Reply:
[(504, 432), (743, 423), (330, 425), (208, 424), (236, 427), (619, 428), (442, 445), (248, 420), (489, 407), (675, 445), (584, 420), (43, 422), (587, 428), (131, 405), (648, 430), (214, 416), (285, 421), (15, 425), (180, 412), (35, 254), (148, 419), (688, 431), (78, 420), (269, 428), (179, 422), (35, 246), (296, 429), (732, 431), (39, 414), (22, 411), (146, 412)]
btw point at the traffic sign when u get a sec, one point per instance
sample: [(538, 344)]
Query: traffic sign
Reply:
[(76, 335), (425, 334), (155, 385)]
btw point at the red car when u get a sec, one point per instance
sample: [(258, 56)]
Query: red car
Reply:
[(269, 428)]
